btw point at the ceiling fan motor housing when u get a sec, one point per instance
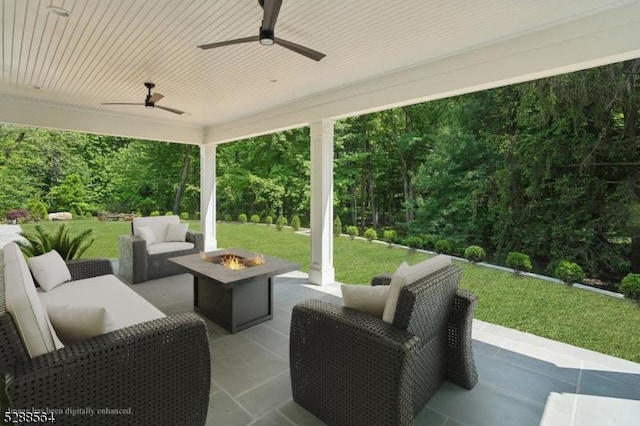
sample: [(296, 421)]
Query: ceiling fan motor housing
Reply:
[(266, 37)]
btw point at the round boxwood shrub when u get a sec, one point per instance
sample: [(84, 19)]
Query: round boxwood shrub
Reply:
[(519, 262), (281, 222), (630, 287), (184, 216), (155, 213), (37, 209), (268, 220), (389, 236), (429, 241), (413, 242), (295, 222), (255, 218), (227, 217), (371, 234), (242, 218), (443, 246), (475, 254), (353, 231), (337, 227), (569, 272), (169, 213)]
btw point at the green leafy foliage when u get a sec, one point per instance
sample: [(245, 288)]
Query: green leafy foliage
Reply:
[(242, 218), (337, 227), (37, 209), (68, 246), (370, 234), (630, 287), (519, 262), (295, 222), (255, 218), (184, 216), (413, 242), (154, 213), (169, 213), (389, 236), (475, 254), (281, 222), (268, 220), (443, 246), (352, 231), (569, 272)]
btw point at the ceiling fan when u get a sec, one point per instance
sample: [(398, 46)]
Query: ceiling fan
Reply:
[(150, 101), (267, 36)]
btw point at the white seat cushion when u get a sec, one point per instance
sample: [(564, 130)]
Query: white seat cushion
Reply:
[(23, 304), (408, 276), (49, 270), (168, 247), (125, 305)]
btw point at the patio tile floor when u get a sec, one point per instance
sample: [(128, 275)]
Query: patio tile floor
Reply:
[(524, 379)]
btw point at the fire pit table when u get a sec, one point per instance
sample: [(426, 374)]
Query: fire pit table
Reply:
[(234, 298)]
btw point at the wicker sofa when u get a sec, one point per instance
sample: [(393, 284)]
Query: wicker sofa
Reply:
[(141, 259), (153, 372), (351, 368)]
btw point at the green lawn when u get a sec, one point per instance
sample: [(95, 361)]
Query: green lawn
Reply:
[(578, 317)]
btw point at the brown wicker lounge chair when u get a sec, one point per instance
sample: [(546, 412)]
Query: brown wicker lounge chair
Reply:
[(351, 368)]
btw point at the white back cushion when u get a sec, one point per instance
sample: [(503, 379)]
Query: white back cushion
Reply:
[(158, 224), (49, 270), (147, 234), (24, 305), (369, 299), (177, 232), (76, 323), (408, 276)]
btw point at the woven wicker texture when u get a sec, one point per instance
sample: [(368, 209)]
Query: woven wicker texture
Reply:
[(159, 369), (349, 368), (136, 266)]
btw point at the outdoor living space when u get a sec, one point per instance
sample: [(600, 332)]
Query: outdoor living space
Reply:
[(523, 379)]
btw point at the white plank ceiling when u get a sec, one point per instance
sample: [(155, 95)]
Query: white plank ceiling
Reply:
[(107, 49)]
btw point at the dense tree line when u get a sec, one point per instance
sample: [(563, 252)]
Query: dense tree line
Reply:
[(88, 174), (548, 167)]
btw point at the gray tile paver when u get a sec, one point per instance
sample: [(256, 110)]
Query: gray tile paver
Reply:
[(524, 379)]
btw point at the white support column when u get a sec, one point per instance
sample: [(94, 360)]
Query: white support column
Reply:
[(321, 270), (208, 196)]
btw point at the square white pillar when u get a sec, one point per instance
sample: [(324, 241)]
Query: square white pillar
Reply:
[(208, 196), (321, 270)]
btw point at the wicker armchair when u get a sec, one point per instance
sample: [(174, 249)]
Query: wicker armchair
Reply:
[(157, 372), (350, 368), (136, 265)]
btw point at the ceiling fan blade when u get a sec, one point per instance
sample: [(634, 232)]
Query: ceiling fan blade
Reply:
[(271, 11), (173, 110), (155, 97), (309, 53), (119, 103), (229, 42)]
